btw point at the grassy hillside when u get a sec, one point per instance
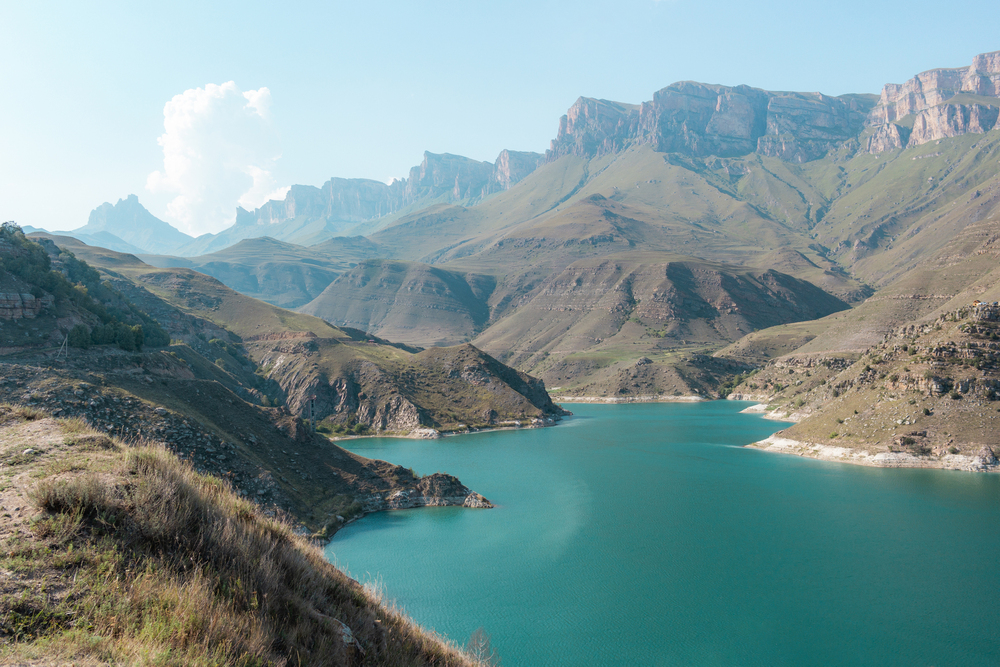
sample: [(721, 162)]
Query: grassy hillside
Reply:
[(408, 302), (916, 357), (928, 395), (320, 371), (643, 311), (116, 554)]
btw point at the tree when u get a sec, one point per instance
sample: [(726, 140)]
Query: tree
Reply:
[(480, 649)]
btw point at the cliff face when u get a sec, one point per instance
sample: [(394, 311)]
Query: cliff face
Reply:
[(951, 120), (699, 120), (941, 103), (452, 178), (512, 166)]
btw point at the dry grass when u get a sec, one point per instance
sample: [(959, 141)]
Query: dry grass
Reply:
[(136, 559)]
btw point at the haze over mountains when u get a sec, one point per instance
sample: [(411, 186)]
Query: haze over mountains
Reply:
[(662, 231)]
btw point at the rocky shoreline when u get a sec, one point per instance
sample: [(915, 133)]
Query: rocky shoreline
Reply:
[(428, 433), (983, 461)]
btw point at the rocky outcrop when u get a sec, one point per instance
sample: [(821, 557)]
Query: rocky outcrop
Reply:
[(888, 137), (15, 306), (985, 312), (934, 100), (700, 120), (437, 490)]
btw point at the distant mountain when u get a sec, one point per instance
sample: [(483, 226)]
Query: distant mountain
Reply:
[(128, 227), (342, 206), (701, 120), (99, 239), (283, 274), (781, 192)]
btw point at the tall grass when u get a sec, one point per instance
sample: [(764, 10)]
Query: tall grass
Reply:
[(164, 566)]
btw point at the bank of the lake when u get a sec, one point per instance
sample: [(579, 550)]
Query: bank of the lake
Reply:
[(646, 534)]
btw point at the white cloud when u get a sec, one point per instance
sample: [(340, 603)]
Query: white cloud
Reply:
[(219, 148)]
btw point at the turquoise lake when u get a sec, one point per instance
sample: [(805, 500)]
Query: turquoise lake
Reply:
[(645, 535)]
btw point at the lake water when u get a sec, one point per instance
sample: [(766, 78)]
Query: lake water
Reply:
[(644, 535)]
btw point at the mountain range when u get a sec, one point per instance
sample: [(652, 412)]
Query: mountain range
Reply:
[(655, 249)]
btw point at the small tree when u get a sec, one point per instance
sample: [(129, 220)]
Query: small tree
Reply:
[(480, 649)]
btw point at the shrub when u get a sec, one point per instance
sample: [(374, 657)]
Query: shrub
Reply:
[(79, 336)]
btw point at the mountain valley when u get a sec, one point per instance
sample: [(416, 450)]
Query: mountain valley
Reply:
[(656, 249)]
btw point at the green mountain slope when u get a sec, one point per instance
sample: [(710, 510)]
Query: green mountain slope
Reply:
[(332, 374), (406, 301), (606, 312)]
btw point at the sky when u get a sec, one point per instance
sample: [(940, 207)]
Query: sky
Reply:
[(200, 107)]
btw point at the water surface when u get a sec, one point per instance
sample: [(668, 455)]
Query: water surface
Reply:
[(644, 535)]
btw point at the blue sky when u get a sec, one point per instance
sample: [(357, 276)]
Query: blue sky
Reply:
[(362, 89)]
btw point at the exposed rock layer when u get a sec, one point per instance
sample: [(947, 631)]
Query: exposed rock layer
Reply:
[(940, 103), (700, 120)]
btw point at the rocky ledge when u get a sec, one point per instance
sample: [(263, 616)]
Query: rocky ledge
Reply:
[(437, 490)]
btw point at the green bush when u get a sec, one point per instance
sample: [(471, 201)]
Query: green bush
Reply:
[(79, 336)]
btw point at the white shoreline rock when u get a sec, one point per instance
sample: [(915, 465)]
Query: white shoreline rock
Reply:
[(781, 445), (424, 434)]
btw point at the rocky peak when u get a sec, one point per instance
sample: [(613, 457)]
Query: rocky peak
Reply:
[(937, 104), (592, 128), (129, 221)]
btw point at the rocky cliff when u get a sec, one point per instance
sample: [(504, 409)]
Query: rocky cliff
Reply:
[(937, 104), (309, 214), (698, 119)]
